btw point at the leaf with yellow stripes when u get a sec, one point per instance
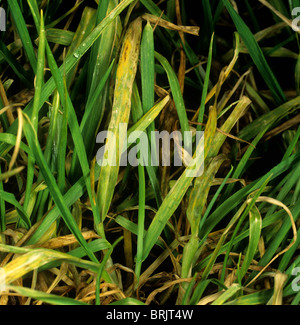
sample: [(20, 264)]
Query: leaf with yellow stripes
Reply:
[(125, 76)]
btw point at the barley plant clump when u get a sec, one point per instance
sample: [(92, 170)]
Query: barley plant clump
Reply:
[(149, 152)]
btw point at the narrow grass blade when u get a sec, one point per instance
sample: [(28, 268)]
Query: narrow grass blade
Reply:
[(229, 293), (138, 110), (101, 50), (85, 27), (153, 8), (10, 173), (92, 100), (23, 33), (45, 297), (255, 224), (61, 141), (206, 84), (60, 36), (11, 140), (141, 221), (177, 96), (120, 114), (33, 5), (147, 68), (55, 22), (36, 101), (148, 118), (39, 74), (147, 73), (137, 114)]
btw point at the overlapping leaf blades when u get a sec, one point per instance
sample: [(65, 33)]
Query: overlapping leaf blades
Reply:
[(218, 228)]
